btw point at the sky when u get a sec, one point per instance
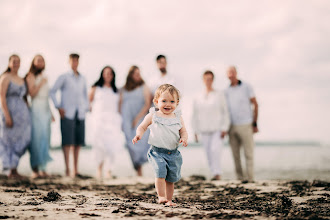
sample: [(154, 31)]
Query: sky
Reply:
[(281, 48)]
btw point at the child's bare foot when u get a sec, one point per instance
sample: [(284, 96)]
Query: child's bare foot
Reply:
[(162, 200), (170, 203)]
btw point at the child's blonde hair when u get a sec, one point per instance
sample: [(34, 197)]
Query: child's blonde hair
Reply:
[(166, 88)]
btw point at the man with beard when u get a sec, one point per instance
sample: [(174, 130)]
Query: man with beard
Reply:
[(163, 78)]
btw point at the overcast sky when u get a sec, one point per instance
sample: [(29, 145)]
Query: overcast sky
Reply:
[(281, 48)]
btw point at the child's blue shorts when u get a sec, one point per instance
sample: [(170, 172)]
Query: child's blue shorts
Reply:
[(166, 163)]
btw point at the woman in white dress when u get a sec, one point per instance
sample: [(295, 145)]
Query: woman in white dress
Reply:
[(106, 121), (211, 120)]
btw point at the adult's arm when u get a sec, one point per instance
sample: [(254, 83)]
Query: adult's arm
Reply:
[(86, 99), (225, 122), (32, 87), (4, 83), (194, 120), (142, 128), (145, 108), (120, 101), (255, 114), (91, 97), (52, 93)]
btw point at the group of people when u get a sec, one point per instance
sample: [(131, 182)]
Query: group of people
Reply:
[(26, 118), (214, 115), (233, 112)]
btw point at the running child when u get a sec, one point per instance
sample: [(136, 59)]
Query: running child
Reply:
[(167, 130)]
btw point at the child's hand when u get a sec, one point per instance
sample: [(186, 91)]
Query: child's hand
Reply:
[(136, 139), (184, 142)]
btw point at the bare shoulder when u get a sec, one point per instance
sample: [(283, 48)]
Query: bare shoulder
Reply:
[(30, 77), (5, 78)]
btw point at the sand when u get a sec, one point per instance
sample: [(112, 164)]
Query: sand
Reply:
[(196, 198)]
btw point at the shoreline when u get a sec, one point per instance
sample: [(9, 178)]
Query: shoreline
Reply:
[(67, 198)]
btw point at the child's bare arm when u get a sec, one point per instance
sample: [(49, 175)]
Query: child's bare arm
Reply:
[(142, 128), (183, 134)]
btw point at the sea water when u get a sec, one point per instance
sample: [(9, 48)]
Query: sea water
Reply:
[(271, 162)]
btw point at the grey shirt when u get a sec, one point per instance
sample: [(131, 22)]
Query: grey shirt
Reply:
[(165, 132)]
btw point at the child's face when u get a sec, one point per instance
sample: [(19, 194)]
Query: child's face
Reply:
[(167, 103)]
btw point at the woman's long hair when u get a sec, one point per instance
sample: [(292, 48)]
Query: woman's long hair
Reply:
[(33, 69), (130, 83), (8, 68), (100, 81)]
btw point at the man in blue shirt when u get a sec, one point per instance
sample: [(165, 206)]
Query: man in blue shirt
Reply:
[(72, 108)]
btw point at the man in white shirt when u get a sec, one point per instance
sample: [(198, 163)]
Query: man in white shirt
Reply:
[(163, 78), (240, 100)]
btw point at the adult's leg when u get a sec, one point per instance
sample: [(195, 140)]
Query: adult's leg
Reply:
[(206, 141), (235, 148), (99, 171), (42, 170), (139, 170), (67, 131), (76, 150), (66, 153), (35, 172), (79, 141), (169, 193), (215, 148), (160, 189), (246, 134)]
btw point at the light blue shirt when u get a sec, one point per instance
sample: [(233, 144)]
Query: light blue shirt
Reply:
[(239, 103), (73, 95)]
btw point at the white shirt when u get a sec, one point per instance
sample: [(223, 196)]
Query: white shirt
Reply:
[(210, 113), (239, 103), (159, 80)]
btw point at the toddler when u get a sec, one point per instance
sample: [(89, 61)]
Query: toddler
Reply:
[(167, 130)]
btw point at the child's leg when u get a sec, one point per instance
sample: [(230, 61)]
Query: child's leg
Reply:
[(160, 188), (169, 193)]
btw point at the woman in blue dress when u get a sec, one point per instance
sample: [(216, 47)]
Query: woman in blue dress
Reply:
[(135, 101), (15, 121), (41, 116)]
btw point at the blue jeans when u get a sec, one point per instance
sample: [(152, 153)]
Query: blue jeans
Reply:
[(166, 163)]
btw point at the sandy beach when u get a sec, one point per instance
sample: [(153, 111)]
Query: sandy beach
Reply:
[(196, 198)]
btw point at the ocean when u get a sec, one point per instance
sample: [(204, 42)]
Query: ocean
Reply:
[(272, 162)]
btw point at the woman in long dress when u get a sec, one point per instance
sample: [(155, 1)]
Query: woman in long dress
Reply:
[(135, 101), (106, 121), (41, 117), (211, 120), (15, 121)]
